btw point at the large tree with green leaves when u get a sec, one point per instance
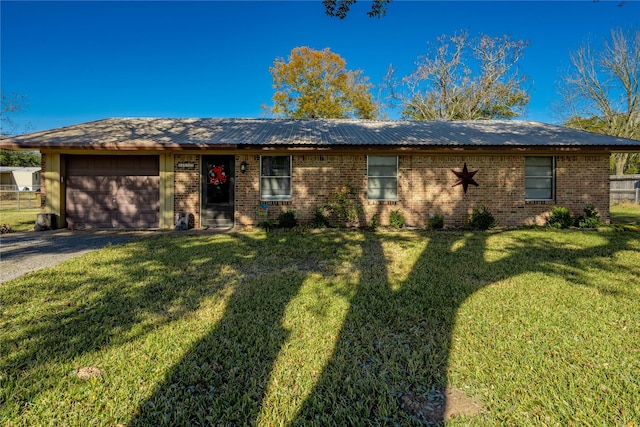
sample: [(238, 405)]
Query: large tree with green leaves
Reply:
[(313, 84), (601, 91), (460, 78)]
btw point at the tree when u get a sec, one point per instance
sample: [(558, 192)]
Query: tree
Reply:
[(9, 105), (12, 104), (601, 91), (340, 8), (316, 84), (463, 79), (19, 158)]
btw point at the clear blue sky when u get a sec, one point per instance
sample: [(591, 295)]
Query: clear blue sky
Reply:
[(82, 61)]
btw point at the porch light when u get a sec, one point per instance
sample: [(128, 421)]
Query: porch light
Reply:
[(243, 167)]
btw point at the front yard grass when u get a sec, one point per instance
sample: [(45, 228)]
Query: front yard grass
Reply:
[(625, 213), (540, 327), (19, 219)]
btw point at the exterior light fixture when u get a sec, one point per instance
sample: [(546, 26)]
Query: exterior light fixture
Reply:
[(243, 167)]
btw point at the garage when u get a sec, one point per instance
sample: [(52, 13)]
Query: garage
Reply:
[(112, 191)]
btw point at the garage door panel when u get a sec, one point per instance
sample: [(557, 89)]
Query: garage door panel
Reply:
[(112, 191)]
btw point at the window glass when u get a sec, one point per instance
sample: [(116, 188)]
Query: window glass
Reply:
[(539, 178), (382, 177), (275, 177)]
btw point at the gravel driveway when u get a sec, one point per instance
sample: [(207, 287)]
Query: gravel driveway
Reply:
[(28, 251)]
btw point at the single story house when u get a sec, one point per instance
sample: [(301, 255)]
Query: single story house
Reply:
[(144, 172), (15, 178)]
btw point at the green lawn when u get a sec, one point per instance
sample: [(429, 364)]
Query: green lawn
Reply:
[(540, 327), (627, 213), (19, 220)]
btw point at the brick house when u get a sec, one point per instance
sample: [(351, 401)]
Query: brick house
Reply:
[(142, 173)]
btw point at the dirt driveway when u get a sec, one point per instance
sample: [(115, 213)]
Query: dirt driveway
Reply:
[(28, 251)]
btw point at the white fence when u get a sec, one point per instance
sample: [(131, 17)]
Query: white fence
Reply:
[(625, 188)]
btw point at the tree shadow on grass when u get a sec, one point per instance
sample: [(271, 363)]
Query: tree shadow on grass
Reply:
[(393, 342), (223, 378), (105, 300), (391, 361)]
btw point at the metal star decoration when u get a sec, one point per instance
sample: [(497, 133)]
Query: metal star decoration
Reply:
[(465, 178)]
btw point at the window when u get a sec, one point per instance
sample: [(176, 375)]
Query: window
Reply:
[(382, 177), (275, 178), (539, 176)]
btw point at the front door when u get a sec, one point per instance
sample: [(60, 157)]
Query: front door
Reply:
[(217, 191)]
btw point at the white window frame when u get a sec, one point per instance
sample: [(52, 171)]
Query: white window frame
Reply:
[(382, 176), (270, 197), (552, 177)]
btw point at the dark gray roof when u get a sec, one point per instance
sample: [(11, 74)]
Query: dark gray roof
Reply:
[(159, 133)]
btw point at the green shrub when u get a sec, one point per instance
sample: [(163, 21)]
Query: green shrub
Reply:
[(266, 225), (436, 222), (481, 219), (320, 220), (375, 222), (343, 206), (396, 219), (560, 217), (287, 219), (591, 218)]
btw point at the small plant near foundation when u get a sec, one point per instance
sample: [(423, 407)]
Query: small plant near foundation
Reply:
[(344, 207), (266, 225), (591, 217), (436, 222), (481, 219), (287, 219), (320, 220), (396, 219), (374, 223), (560, 217)]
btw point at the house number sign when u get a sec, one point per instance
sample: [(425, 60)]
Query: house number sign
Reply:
[(185, 165)]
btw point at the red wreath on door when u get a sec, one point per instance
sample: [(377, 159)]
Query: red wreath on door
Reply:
[(217, 175)]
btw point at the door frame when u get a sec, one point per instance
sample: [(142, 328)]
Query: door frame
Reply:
[(215, 158)]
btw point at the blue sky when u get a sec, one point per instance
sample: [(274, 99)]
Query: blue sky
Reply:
[(82, 61)]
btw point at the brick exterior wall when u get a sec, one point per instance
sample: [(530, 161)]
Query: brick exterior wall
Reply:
[(426, 188), (187, 187)]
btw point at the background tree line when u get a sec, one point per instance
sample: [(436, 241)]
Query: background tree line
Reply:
[(465, 78)]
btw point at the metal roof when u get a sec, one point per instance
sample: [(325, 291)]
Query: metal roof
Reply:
[(6, 169), (165, 133)]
